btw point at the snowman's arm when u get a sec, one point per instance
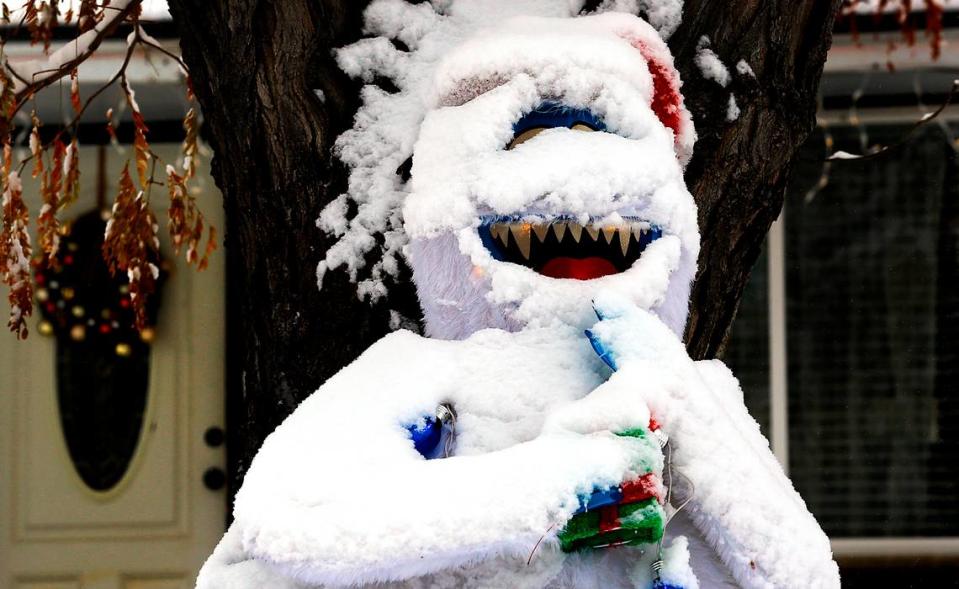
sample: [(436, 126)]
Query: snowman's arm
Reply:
[(229, 566), (741, 500), (338, 494)]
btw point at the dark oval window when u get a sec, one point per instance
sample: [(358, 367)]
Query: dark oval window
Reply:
[(102, 360)]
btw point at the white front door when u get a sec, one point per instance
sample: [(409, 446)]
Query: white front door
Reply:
[(154, 527)]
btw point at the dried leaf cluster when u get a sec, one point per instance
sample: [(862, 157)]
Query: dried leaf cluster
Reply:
[(15, 248), (187, 223), (904, 12), (40, 18), (131, 243)]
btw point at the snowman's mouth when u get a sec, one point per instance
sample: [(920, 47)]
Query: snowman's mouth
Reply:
[(562, 248)]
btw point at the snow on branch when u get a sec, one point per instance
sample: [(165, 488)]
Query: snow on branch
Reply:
[(32, 76)]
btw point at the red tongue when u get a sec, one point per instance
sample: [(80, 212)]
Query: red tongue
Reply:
[(578, 269)]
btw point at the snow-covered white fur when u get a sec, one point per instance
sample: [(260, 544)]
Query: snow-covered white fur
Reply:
[(338, 496)]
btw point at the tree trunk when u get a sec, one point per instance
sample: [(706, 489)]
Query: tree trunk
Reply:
[(254, 67), (739, 171)]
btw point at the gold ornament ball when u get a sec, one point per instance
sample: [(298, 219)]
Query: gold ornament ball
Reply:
[(46, 328), (42, 294), (123, 350), (67, 293), (147, 334), (78, 333), (77, 311)]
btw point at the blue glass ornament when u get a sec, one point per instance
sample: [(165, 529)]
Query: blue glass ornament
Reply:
[(426, 434)]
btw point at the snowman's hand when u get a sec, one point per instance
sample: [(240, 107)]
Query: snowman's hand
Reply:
[(738, 495), (627, 334), (629, 512)]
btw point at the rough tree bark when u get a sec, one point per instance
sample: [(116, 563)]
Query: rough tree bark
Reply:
[(255, 66), (739, 171)]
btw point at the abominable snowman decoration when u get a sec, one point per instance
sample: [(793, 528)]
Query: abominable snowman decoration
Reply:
[(552, 430)]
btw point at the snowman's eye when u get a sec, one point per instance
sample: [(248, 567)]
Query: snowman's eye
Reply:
[(525, 136), (550, 115), (530, 133)]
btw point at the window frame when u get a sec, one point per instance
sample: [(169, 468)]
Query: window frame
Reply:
[(846, 548)]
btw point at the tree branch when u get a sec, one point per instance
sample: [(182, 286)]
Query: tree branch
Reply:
[(32, 76), (71, 126), (842, 156)]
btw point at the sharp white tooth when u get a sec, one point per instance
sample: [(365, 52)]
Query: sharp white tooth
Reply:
[(560, 230), (576, 230), (593, 232), (624, 240), (499, 231), (541, 230), (521, 233), (608, 233), (638, 231)]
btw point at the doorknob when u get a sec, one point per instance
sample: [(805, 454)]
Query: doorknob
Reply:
[(214, 478), (214, 436)]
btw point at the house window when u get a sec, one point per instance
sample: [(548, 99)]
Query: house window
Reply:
[(868, 316)]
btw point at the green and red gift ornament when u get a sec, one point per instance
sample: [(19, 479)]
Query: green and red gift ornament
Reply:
[(631, 514)]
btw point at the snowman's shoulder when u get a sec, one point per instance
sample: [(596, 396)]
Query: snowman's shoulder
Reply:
[(719, 378)]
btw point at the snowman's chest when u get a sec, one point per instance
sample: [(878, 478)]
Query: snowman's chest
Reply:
[(502, 399)]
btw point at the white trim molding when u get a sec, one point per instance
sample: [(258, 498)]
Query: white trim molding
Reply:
[(851, 548)]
